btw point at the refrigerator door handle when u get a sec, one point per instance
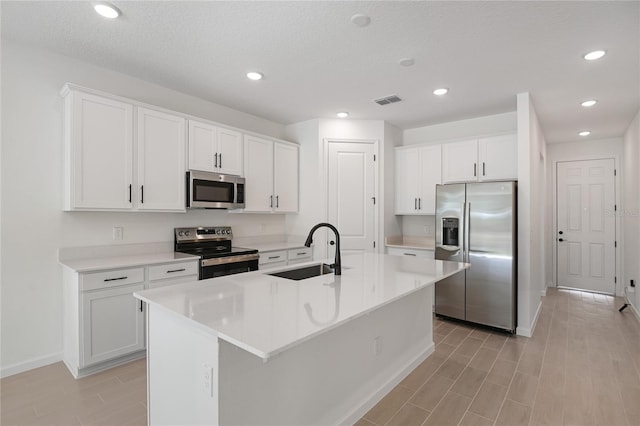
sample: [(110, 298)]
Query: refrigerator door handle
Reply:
[(467, 230), (464, 232)]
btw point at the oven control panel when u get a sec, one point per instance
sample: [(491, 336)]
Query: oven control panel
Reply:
[(203, 233)]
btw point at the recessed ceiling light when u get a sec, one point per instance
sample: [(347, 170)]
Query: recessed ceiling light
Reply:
[(589, 103), (584, 133), (440, 92), (360, 20), (596, 54), (342, 114), (254, 75), (106, 9), (407, 62)]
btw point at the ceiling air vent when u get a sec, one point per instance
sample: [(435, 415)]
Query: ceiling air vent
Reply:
[(387, 100)]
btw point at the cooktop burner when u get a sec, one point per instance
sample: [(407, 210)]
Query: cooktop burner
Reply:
[(208, 242)]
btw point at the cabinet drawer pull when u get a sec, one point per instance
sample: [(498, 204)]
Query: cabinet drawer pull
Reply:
[(115, 279), (302, 253), (176, 270), (274, 257), (409, 254)]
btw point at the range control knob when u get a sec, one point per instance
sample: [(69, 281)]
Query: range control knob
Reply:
[(187, 233), (181, 233), (228, 231)]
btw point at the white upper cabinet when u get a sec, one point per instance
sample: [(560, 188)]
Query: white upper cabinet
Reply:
[(160, 162), (484, 159), (460, 161), (98, 152), (285, 177), (214, 149), (271, 173), (418, 171), (102, 134), (498, 157)]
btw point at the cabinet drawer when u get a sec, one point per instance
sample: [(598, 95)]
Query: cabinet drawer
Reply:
[(112, 278), (171, 270), (272, 257), (410, 252), (299, 253)]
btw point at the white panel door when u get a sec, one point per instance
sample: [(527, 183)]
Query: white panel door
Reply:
[(407, 180), (112, 324), (460, 161), (430, 176), (229, 152), (285, 178), (351, 192), (498, 158), (258, 172), (203, 141), (102, 147), (161, 162), (586, 225)]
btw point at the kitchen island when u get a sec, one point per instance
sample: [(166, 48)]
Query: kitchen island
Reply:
[(257, 349)]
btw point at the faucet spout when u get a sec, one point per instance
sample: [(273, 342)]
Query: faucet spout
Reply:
[(337, 265)]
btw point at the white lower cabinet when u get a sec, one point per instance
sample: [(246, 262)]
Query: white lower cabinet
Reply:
[(278, 258), (397, 251), (112, 324), (103, 324), (299, 255)]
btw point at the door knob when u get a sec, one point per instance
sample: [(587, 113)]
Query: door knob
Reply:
[(560, 239), (332, 242)]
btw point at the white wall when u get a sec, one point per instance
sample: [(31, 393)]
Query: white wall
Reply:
[(531, 214), (33, 223), (311, 135), (631, 208), (576, 151), (474, 127)]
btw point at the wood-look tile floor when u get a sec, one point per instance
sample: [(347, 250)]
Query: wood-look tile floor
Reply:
[(581, 367)]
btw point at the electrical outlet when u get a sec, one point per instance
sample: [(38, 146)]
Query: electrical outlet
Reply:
[(118, 231), (207, 380), (376, 346), (632, 284)]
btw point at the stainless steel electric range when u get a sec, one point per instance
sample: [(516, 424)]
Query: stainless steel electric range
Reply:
[(217, 256)]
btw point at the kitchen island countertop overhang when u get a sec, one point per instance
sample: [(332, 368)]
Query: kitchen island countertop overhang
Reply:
[(266, 315)]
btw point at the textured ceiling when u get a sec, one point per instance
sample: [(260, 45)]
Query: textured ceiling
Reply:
[(316, 62)]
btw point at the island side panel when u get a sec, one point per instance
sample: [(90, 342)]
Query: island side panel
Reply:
[(333, 378), (182, 368)]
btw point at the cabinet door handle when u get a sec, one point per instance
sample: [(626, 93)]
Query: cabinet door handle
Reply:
[(220, 160), (215, 156), (141, 306), (277, 201), (176, 270), (129, 192), (419, 203), (483, 173), (474, 169), (142, 194), (115, 279), (271, 201), (415, 204), (409, 254)]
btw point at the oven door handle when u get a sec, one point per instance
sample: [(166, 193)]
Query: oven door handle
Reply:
[(229, 259)]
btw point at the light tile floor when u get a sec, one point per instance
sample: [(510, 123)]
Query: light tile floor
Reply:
[(581, 367)]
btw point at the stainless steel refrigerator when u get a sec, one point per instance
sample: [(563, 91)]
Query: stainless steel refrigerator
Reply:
[(476, 223)]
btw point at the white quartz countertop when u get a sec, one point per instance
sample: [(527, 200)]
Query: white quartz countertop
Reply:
[(274, 246), (114, 262), (409, 242), (266, 315)]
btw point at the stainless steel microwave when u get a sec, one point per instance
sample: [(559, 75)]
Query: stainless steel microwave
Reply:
[(207, 190)]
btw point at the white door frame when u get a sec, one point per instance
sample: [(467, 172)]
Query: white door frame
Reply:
[(554, 248), (322, 238)]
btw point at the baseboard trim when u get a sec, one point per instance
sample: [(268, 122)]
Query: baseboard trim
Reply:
[(528, 332), (375, 397), (30, 364)]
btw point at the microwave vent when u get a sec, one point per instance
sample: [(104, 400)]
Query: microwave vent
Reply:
[(387, 100)]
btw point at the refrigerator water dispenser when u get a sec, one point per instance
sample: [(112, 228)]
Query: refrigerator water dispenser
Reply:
[(450, 231)]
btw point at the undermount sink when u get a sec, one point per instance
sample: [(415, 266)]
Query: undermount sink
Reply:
[(304, 272)]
